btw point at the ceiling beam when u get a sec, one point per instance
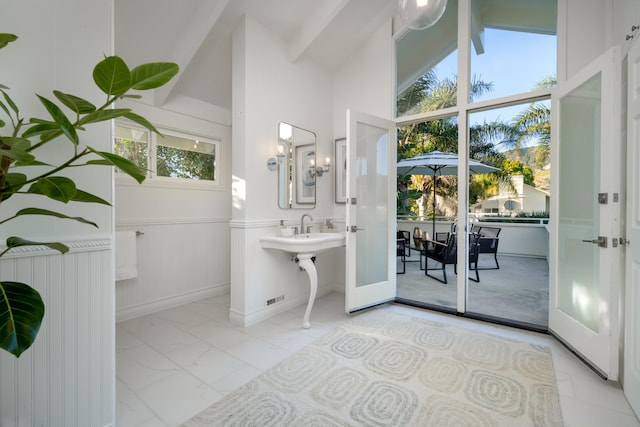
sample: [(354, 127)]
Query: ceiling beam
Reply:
[(477, 29), (204, 19), (314, 26)]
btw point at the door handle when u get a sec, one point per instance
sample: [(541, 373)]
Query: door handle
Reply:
[(355, 228), (601, 241)]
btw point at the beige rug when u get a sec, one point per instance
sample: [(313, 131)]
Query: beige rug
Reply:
[(386, 369)]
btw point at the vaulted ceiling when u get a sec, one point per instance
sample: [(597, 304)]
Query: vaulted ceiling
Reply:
[(196, 34)]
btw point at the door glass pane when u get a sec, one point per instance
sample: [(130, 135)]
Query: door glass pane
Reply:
[(372, 210), (427, 209), (426, 66), (509, 213), (513, 46), (579, 177)]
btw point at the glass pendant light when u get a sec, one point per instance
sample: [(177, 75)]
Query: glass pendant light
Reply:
[(421, 14)]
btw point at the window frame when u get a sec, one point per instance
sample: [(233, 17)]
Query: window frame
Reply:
[(153, 179)]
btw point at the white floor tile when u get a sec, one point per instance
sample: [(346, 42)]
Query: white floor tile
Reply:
[(205, 362), (172, 364), (178, 397), (141, 366), (259, 353)]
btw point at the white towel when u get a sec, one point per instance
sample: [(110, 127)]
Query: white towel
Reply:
[(126, 258)]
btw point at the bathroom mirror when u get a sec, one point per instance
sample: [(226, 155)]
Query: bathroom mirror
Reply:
[(296, 167)]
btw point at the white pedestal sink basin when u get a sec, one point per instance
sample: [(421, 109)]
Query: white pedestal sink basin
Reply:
[(305, 247)]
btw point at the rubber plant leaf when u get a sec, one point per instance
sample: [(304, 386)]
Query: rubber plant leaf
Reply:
[(5, 39), (74, 103), (10, 102), (13, 184), (18, 155), (58, 188), (63, 122), (15, 242), (103, 115), (142, 121), (84, 197), (46, 212), (127, 166), (21, 314), (152, 75), (112, 76)]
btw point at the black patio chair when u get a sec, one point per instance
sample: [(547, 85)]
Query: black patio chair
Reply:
[(447, 253), (488, 243), (406, 236), (401, 252)]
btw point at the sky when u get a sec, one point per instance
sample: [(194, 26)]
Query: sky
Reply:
[(513, 61)]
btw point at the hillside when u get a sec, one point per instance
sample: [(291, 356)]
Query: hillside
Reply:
[(528, 158)]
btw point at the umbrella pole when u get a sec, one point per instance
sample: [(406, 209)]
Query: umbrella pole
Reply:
[(433, 204)]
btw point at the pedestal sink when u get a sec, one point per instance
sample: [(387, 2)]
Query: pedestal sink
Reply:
[(305, 247)]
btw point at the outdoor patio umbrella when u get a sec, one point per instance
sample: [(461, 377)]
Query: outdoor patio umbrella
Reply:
[(438, 163)]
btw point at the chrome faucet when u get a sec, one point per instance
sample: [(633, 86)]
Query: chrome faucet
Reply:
[(302, 222)]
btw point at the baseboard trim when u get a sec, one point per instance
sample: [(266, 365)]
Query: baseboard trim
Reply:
[(169, 302), (250, 319)]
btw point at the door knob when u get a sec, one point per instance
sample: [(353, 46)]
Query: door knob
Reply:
[(600, 241)]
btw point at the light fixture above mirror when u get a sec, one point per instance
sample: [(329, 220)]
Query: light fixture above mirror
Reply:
[(421, 14)]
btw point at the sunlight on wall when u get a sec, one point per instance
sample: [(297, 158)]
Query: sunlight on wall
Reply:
[(238, 192)]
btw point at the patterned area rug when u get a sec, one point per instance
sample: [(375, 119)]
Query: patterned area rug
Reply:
[(387, 369)]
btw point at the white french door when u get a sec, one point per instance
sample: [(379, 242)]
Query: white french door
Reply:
[(585, 260), (371, 209), (631, 379)]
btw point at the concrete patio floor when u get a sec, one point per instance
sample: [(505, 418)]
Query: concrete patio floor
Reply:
[(518, 291)]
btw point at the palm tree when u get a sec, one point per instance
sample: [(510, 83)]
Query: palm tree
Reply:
[(429, 94)]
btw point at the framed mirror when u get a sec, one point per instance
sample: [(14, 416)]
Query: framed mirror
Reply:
[(296, 167)]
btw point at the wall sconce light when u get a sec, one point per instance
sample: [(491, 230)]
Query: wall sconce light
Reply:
[(273, 162), (320, 170)]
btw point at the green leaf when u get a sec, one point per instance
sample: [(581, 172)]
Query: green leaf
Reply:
[(14, 183), (10, 102), (103, 115), (75, 104), (127, 166), (18, 143), (152, 75), (15, 242), (112, 76), (84, 197), (40, 129), (58, 116), (142, 121), (5, 39), (58, 188), (21, 314), (45, 212), (21, 156)]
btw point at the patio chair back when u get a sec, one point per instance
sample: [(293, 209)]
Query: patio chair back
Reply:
[(488, 243)]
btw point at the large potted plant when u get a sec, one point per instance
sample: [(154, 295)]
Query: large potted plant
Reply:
[(21, 142)]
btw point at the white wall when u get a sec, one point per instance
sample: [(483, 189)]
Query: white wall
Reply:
[(269, 89), (67, 377), (183, 251)]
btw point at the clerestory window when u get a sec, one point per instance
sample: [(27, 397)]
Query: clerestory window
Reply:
[(170, 157)]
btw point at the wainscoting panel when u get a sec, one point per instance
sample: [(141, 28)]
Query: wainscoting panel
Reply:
[(67, 377), (178, 262)]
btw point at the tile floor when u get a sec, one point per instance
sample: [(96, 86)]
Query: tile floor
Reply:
[(173, 364)]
